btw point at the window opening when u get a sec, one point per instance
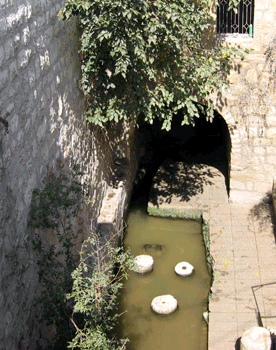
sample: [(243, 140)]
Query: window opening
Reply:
[(240, 22)]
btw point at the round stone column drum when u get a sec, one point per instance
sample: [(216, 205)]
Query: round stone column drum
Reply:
[(256, 338), (164, 304), (184, 269), (143, 263)]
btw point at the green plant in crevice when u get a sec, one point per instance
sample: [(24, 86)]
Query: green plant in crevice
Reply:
[(53, 210), (97, 282), (149, 58)]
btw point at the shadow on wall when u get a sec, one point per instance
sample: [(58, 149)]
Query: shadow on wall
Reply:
[(116, 152)]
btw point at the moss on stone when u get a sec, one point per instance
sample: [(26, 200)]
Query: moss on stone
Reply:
[(209, 257), (175, 213)]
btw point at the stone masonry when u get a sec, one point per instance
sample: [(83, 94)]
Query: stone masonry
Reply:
[(248, 108), (43, 130)]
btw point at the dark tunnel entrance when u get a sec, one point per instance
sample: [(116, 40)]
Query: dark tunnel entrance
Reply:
[(207, 143)]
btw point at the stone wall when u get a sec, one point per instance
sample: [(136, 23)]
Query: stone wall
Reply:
[(43, 130), (249, 108)]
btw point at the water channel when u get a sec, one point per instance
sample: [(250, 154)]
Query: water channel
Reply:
[(168, 242)]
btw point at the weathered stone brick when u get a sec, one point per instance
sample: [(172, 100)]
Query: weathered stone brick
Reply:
[(4, 76), (13, 124), (271, 132), (26, 35), (41, 131), (41, 20), (238, 185), (2, 55), (3, 27), (262, 187), (270, 159), (23, 58), (9, 49), (13, 70), (259, 150)]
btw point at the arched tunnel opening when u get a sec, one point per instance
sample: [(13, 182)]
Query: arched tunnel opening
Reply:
[(205, 143)]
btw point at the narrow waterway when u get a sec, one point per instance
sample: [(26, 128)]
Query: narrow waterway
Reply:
[(168, 242)]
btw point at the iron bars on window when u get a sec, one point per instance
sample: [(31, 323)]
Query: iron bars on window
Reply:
[(235, 22)]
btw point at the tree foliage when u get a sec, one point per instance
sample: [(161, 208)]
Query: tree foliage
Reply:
[(147, 57)]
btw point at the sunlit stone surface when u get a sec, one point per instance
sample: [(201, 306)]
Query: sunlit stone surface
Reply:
[(143, 263), (256, 338), (164, 304), (184, 269)]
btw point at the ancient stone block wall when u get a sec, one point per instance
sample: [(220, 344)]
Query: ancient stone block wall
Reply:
[(43, 130), (249, 108)]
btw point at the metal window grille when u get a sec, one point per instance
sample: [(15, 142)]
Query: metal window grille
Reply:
[(235, 23)]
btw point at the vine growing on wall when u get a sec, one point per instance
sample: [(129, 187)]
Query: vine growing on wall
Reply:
[(53, 210), (148, 58)]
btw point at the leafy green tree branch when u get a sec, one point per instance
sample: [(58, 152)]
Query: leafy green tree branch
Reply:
[(148, 58)]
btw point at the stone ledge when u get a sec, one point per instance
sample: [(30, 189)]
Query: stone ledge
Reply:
[(112, 209)]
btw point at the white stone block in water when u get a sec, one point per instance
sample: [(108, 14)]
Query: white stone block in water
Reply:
[(184, 269), (143, 263), (164, 304), (256, 338)]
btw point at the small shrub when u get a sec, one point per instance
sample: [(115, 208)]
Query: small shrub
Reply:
[(97, 282)]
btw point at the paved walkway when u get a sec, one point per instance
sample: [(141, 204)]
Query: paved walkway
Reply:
[(243, 247), (244, 251)]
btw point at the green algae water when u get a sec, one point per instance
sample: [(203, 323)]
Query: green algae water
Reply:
[(168, 242)]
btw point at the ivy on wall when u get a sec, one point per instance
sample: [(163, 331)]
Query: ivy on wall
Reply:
[(148, 58), (52, 211)]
